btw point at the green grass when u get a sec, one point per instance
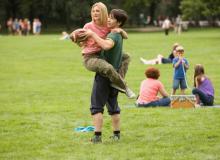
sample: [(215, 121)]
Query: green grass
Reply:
[(45, 93)]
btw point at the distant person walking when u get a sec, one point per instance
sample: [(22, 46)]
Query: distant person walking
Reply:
[(178, 25), (10, 25), (166, 26)]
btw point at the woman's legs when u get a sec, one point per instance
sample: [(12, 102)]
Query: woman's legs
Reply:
[(205, 99), (165, 102)]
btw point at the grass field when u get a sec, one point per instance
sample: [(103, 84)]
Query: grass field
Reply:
[(45, 93)]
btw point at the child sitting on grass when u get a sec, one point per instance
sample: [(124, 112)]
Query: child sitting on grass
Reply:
[(203, 90)]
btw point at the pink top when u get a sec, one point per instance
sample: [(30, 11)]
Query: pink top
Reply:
[(149, 90), (90, 46)]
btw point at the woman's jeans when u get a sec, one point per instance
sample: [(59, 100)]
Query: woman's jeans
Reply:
[(165, 102), (207, 100)]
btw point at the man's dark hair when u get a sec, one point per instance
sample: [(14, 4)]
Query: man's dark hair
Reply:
[(120, 15)]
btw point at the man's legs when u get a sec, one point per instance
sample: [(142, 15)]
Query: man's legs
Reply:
[(114, 111), (116, 122), (98, 121), (99, 98)]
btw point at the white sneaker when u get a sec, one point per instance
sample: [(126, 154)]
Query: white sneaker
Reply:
[(130, 94)]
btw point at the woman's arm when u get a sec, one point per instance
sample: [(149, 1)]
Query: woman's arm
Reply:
[(121, 31), (105, 44), (163, 92)]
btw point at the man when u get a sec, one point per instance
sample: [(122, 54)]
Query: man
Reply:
[(102, 93)]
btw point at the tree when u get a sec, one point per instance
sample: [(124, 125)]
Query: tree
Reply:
[(200, 9)]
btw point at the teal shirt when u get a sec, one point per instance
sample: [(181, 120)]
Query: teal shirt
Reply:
[(114, 55)]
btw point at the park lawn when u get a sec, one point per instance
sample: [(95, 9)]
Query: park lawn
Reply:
[(45, 94)]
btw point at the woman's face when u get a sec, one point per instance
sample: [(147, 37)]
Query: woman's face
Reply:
[(96, 14)]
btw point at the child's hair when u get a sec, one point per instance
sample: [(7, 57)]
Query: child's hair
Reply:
[(175, 45), (120, 15), (104, 12), (199, 70), (152, 72)]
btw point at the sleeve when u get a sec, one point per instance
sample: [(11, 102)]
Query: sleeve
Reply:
[(86, 26), (160, 85), (113, 37), (186, 61)]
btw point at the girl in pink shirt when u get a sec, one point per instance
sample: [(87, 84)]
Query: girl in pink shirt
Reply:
[(149, 90)]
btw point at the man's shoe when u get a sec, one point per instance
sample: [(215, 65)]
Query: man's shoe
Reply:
[(130, 94), (118, 88), (115, 137), (96, 139)]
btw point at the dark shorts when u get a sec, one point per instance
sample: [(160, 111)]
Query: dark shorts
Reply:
[(103, 94), (179, 82)]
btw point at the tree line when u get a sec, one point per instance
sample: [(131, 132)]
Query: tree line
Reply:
[(75, 13)]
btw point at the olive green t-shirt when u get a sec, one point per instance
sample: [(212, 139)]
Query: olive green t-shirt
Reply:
[(114, 55)]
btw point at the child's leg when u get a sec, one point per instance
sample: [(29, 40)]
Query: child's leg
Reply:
[(124, 65), (95, 64), (182, 91), (183, 86), (175, 86), (174, 92)]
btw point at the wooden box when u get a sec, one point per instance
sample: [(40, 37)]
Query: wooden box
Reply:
[(183, 101)]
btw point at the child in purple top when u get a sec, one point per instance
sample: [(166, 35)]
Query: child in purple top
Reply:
[(203, 90)]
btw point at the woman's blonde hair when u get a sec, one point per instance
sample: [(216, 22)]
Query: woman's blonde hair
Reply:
[(104, 12)]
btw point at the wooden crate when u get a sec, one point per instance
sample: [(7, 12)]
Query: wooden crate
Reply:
[(183, 101)]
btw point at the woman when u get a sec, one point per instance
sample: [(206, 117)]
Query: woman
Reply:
[(149, 90), (203, 90), (160, 59)]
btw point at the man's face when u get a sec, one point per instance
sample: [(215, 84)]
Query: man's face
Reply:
[(112, 22)]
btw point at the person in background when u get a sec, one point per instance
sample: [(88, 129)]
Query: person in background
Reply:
[(178, 25), (180, 65), (204, 90), (65, 36), (150, 88), (10, 26), (166, 26), (160, 59)]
